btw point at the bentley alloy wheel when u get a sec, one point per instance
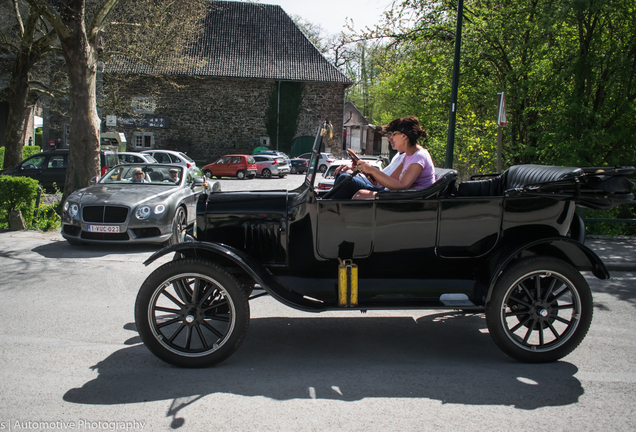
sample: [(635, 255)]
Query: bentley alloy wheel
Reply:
[(191, 313), (540, 310)]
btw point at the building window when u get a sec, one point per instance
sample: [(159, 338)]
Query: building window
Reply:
[(143, 105), (143, 140)]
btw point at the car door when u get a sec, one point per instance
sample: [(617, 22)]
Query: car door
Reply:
[(222, 167), (34, 167), (236, 165), (55, 171)]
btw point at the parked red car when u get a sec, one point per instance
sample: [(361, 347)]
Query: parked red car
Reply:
[(241, 166)]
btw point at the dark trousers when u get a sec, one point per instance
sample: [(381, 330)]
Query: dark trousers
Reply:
[(358, 182)]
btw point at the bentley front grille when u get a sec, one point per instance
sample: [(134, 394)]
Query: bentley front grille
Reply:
[(104, 214)]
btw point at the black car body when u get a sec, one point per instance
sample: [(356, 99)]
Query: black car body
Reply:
[(509, 245), (299, 166), (49, 167)]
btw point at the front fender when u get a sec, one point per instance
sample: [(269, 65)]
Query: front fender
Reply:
[(577, 254), (260, 274)]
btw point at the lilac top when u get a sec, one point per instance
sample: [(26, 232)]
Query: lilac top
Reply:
[(427, 176)]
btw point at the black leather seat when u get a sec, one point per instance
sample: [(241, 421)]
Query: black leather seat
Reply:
[(444, 186), (517, 176)]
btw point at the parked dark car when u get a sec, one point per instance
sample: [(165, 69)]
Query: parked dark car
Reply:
[(299, 166), (240, 166), (49, 167), (510, 245)]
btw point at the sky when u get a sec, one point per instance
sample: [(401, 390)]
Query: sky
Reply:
[(331, 14)]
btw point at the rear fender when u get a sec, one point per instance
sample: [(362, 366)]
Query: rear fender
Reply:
[(567, 249), (223, 254)]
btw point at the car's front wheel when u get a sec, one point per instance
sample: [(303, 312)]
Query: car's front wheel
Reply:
[(540, 310), (266, 173), (179, 225), (192, 313)]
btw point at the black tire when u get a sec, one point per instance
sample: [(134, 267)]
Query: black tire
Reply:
[(207, 174), (266, 173), (179, 225), (293, 170), (322, 168), (540, 310), (192, 313), (240, 175)]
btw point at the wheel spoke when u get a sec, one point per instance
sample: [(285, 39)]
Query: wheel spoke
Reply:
[(516, 313), (166, 309), (169, 322), (188, 337), (526, 304), (200, 333), (176, 333), (181, 290), (215, 317), (550, 289), (563, 307), (195, 290), (540, 330), (537, 286), (212, 329), (563, 320), (523, 287), (174, 300), (529, 332), (518, 326), (221, 303), (554, 331)]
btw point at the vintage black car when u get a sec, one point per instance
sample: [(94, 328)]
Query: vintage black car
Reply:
[(510, 245)]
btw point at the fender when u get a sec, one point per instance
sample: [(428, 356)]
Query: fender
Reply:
[(580, 256), (257, 272)]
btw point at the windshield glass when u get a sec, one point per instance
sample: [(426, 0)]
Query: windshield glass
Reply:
[(164, 175), (315, 158)]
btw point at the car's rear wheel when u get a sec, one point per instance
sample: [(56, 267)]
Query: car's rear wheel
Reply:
[(192, 313), (240, 174), (207, 173), (179, 225), (540, 310), (266, 173), (293, 170), (322, 168)]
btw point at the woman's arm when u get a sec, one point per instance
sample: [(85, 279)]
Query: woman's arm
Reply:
[(393, 183)]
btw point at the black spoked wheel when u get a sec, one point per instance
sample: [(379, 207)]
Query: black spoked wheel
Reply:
[(192, 313), (179, 225), (540, 310), (266, 173)]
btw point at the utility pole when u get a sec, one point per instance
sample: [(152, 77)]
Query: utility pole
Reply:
[(450, 141)]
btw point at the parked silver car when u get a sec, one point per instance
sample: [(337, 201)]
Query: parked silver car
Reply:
[(267, 166), (172, 157), (326, 159), (134, 203), (133, 157)]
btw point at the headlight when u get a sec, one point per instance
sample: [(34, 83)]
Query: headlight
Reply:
[(72, 209), (142, 212), (160, 209)]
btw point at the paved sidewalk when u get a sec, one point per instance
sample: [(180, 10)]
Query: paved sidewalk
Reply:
[(618, 253)]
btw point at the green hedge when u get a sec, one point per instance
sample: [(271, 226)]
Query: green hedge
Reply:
[(27, 151), (18, 193)]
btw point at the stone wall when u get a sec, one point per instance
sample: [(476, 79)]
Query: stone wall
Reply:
[(210, 117)]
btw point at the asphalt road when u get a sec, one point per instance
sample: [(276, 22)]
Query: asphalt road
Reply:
[(70, 358)]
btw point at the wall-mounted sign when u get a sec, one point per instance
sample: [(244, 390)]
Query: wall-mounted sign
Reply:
[(158, 122)]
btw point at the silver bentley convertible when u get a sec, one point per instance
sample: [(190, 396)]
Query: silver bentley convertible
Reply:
[(141, 203)]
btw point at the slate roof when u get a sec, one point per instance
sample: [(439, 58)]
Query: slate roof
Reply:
[(244, 40), (352, 116)]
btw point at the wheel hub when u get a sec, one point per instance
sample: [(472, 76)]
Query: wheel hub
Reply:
[(192, 315)]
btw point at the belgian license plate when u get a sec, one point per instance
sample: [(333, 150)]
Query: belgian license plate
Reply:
[(103, 228)]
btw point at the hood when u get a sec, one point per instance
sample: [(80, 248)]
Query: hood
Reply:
[(122, 194)]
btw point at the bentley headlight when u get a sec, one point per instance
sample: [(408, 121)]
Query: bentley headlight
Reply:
[(160, 208), (142, 213), (72, 209)]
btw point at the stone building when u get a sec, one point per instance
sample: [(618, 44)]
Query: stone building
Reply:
[(360, 136), (252, 65)]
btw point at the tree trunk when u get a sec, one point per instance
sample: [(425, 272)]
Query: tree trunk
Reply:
[(17, 118), (84, 125)]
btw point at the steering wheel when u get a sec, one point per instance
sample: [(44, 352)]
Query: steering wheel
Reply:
[(355, 158)]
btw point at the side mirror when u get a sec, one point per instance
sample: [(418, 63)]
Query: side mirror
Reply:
[(95, 180), (198, 182)]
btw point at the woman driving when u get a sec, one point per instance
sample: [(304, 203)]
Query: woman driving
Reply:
[(415, 172)]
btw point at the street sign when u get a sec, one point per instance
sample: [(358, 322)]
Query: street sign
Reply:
[(501, 110)]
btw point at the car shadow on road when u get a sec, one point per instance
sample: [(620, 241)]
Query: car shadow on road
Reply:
[(447, 357), (65, 250)]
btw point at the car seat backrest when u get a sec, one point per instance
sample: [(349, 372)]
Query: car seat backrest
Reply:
[(156, 176), (444, 185), (516, 176)]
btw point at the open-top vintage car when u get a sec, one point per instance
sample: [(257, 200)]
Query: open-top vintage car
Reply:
[(509, 245)]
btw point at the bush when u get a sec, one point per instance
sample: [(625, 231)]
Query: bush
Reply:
[(46, 218), (627, 211), (18, 193)]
